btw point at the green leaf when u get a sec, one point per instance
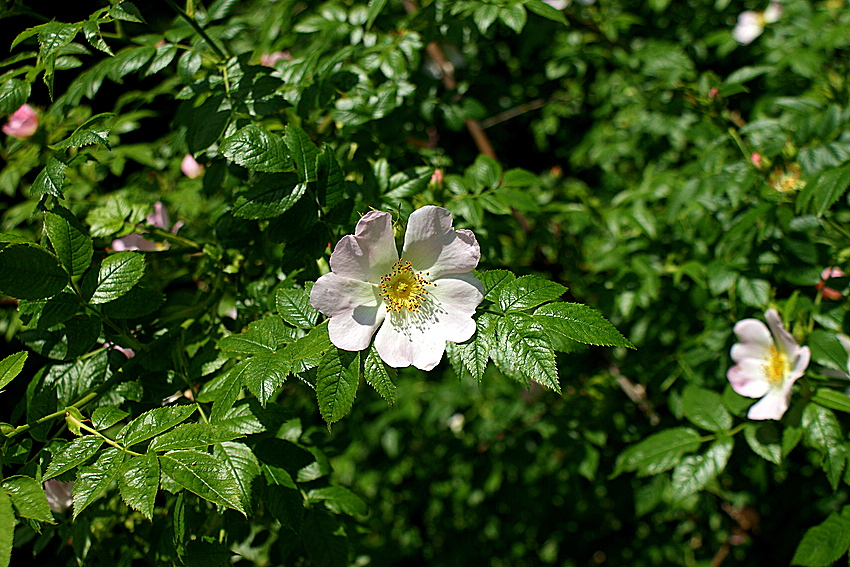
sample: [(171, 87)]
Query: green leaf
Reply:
[(824, 190), (28, 497), (696, 471), (95, 479), (70, 239), (270, 197), (825, 543), (513, 16), (92, 32), (325, 542), (28, 272), (822, 431), (374, 8), (72, 454), (117, 274), (13, 94), (379, 375), (203, 474), (244, 467), (705, 408), (127, 12), (336, 383), (190, 435), (494, 281), (226, 392), (7, 529), (827, 350), (303, 152), (485, 171), (264, 374), (580, 323), (485, 15), (307, 352), (528, 291), (11, 366), (137, 302), (764, 440), (474, 354), (339, 500), (50, 180), (105, 417), (541, 8), (138, 481), (67, 340), (754, 292), (522, 351), (330, 183), (294, 306), (153, 422), (257, 149), (95, 130), (658, 452), (832, 399), (46, 313), (129, 60), (265, 335)]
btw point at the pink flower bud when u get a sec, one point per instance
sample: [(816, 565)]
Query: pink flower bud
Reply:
[(828, 292), (269, 59), (437, 177), (22, 124), (191, 168), (755, 158)]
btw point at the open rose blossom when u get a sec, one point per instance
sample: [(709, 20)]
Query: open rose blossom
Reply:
[(22, 124), (190, 167), (766, 367), (415, 303), (158, 218)]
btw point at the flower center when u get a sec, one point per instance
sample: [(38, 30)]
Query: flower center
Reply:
[(403, 288), (776, 367)]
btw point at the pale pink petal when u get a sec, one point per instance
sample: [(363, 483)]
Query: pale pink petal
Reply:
[(190, 167), (370, 252), (772, 13), (800, 364), (159, 217), (772, 406), (741, 351), (784, 340), (748, 378), (401, 343), (334, 295), (750, 25), (753, 331), (22, 124), (353, 330), (461, 292), (432, 245), (133, 242)]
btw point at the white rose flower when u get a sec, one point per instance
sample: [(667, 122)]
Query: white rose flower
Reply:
[(766, 367), (415, 303)]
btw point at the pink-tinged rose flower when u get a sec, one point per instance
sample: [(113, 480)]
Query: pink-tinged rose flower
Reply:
[(766, 366), (825, 275), (415, 303), (751, 24), (158, 218), (22, 123), (270, 59), (772, 13), (191, 168), (60, 495)]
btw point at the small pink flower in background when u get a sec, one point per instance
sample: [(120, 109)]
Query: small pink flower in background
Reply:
[(191, 168), (159, 218), (270, 59), (766, 366), (751, 24), (59, 494), (22, 123), (415, 303), (825, 275), (756, 160), (713, 92), (437, 177)]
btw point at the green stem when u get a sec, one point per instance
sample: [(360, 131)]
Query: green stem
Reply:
[(108, 441), (198, 29)]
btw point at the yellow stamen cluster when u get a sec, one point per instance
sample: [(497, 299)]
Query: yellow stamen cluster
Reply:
[(403, 288), (777, 367)]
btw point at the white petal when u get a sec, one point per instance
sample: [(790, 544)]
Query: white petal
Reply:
[(741, 351), (772, 406), (333, 295), (748, 379), (753, 331), (462, 292), (800, 365), (401, 345), (353, 330), (370, 252), (431, 244), (784, 340)]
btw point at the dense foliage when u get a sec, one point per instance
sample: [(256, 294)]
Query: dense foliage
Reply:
[(175, 179)]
